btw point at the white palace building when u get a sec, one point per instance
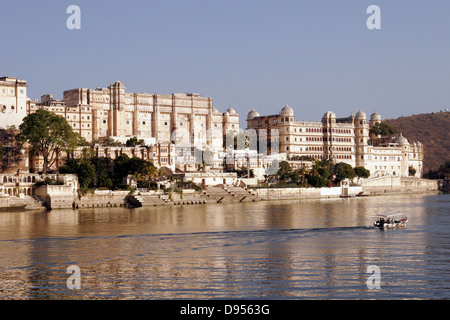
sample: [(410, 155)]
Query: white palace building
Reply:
[(341, 139)]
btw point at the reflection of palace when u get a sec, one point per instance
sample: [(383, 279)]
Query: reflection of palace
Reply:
[(341, 139)]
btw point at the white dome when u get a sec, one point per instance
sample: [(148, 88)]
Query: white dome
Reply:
[(361, 115), (252, 114), (231, 111), (287, 111), (375, 116), (402, 141)]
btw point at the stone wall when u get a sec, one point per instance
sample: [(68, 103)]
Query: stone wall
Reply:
[(299, 193), (102, 198), (57, 196), (395, 184)]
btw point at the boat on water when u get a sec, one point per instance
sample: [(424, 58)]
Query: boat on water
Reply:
[(391, 221)]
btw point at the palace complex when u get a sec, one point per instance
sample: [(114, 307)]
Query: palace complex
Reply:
[(163, 121)]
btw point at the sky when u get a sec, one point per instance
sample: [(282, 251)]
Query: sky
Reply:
[(315, 55)]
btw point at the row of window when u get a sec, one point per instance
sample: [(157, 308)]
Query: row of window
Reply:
[(75, 117), (326, 130), (12, 91), (334, 139), (15, 179)]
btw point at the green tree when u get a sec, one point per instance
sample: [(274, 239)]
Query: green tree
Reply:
[(102, 176), (284, 172), (320, 174), (383, 129), (316, 181), (361, 172), (343, 171), (299, 176), (107, 142), (134, 142), (47, 135), (442, 172), (142, 169), (84, 170)]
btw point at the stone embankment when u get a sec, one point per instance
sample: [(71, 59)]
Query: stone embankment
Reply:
[(21, 203), (59, 197), (393, 184), (216, 194)]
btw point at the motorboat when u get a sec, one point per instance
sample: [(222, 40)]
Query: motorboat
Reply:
[(391, 221)]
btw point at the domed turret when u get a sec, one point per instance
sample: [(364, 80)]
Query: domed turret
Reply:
[(252, 114), (287, 111), (402, 141), (361, 115), (231, 111), (375, 117)]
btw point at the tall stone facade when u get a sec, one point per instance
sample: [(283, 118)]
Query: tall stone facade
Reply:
[(113, 112)]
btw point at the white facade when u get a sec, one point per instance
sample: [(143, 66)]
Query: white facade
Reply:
[(13, 102)]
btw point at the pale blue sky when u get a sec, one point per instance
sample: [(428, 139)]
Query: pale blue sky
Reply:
[(317, 55)]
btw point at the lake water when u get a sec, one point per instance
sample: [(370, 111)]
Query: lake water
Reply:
[(306, 249)]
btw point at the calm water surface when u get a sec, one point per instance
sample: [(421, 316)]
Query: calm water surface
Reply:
[(315, 249)]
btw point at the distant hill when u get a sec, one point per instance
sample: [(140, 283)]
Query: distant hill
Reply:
[(433, 130)]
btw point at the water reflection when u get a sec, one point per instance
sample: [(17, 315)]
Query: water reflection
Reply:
[(280, 249)]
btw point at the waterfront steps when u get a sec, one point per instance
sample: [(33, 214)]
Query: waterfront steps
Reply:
[(143, 200), (228, 194)]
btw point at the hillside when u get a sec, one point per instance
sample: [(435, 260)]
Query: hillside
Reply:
[(433, 130)]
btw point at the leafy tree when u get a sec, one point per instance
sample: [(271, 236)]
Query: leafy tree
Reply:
[(102, 176), (442, 172), (323, 168), (134, 141), (383, 129), (47, 135), (141, 169), (107, 142), (316, 181), (284, 172), (299, 176), (361, 172), (83, 169), (343, 171)]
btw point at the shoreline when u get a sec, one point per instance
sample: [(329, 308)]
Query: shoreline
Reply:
[(121, 201)]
